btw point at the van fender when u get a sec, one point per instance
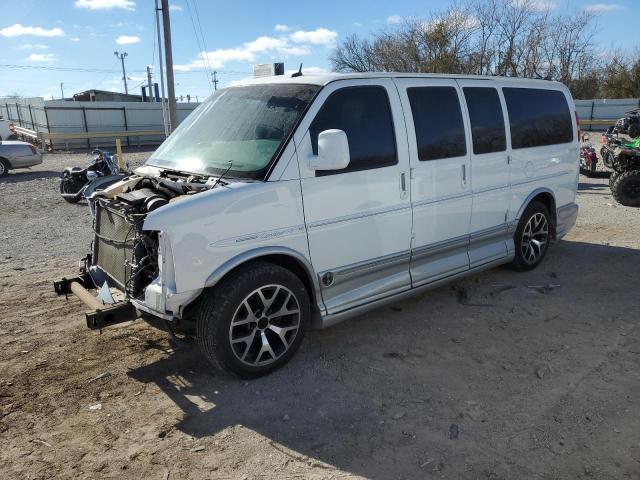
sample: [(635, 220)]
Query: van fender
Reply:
[(260, 252), (528, 200), (534, 194)]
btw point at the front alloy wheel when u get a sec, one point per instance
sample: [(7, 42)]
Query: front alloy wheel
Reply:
[(265, 325), (254, 320)]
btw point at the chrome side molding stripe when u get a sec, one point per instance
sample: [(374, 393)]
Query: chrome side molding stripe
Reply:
[(348, 218), (332, 319)]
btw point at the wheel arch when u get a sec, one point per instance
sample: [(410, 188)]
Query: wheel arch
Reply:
[(282, 256), (547, 198)]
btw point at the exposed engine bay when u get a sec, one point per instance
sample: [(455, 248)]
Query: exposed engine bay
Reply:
[(122, 250)]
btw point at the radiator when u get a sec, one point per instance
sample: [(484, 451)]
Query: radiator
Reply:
[(113, 245)]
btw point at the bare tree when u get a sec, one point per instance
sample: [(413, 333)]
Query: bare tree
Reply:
[(489, 37)]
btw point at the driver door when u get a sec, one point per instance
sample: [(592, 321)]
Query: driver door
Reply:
[(358, 219)]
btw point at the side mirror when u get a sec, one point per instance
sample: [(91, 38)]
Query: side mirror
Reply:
[(333, 151)]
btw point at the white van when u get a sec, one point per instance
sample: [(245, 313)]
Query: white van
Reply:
[(286, 203)]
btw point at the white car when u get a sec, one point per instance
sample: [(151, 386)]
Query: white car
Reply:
[(287, 203), (15, 154)]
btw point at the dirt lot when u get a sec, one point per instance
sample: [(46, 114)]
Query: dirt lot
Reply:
[(498, 376)]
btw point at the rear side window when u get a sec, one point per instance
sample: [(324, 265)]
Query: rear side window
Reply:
[(538, 117), (364, 114), (438, 122), (487, 121)]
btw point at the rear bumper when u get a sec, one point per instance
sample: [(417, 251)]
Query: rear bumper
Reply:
[(26, 161), (565, 219), (100, 315)]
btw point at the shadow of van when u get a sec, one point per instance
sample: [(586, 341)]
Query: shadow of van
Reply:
[(433, 385)]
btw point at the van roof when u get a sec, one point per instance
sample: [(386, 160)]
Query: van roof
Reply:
[(325, 78)]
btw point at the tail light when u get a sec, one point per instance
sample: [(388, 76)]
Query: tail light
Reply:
[(33, 149)]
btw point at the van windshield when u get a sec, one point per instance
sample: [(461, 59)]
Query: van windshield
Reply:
[(239, 129)]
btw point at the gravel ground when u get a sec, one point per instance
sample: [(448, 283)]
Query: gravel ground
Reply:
[(498, 376)]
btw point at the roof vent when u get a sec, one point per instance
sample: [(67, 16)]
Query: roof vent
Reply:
[(268, 69)]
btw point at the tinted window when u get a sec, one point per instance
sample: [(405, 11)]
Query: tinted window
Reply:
[(487, 122), (438, 122), (363, 113), (538, 117)]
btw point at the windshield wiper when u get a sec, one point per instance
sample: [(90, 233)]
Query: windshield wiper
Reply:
[(225, 172)]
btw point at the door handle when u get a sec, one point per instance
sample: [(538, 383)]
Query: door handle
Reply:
[(464, 174), (403, 185)]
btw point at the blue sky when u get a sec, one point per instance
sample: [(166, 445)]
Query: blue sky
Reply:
[(47, 36)]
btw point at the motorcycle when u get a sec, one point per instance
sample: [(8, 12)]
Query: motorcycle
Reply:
[(101, 172), (588, 159)]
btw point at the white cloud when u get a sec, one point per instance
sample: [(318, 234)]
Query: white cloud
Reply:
[(106, 4), (18, 30), (40, 57), (319, 36), (247, 52), (282, 28), (75, 39), (127, 40), (31, 46), (603, 7), (357, 24), (394, 19), (308, 71), (175, 8), (535, 5)]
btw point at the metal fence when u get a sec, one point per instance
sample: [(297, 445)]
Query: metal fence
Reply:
[(66, 117), (596, 115)]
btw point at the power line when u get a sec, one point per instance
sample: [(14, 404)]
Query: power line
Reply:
[(104, 70), (204, 44), (200, 45)]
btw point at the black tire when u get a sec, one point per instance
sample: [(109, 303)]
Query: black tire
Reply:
[(4, 167), (67, 186), (626, 188), (634, 130), (538, 242), (612, 178), (227, 301)]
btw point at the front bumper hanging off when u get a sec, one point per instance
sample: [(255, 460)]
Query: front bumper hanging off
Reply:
[(101, 315)]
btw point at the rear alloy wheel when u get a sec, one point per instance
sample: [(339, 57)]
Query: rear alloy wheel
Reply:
[(625, 188), (532, 237), (252, 322)]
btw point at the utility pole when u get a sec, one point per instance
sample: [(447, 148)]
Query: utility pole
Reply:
[(167, 131), (62, 90), (215, 80), (173, 123), (152, 98), (122, 56)]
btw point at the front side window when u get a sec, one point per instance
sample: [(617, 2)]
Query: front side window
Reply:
[(242, 129), (487, 121), (437, 119), (538, 117), (364, 114)]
